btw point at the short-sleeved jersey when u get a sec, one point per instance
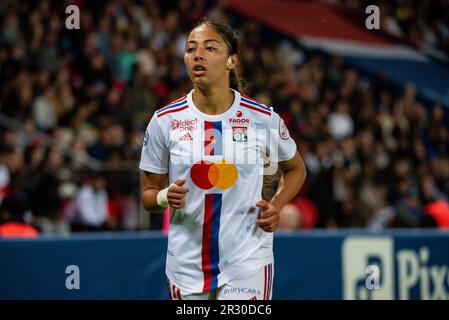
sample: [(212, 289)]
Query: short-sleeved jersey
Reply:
[(215, 238)]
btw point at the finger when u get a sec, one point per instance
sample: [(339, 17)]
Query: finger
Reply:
[(270, 228), (180, 182), (262, 204), (174, 195), (267, 226), (184, 190), (176, 202), (266, 229), (177, 206), (178, 189), (175, 199), (267, 213), (267, 221)]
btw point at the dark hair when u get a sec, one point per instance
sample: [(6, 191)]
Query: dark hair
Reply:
[(15, 204), (232, 43)]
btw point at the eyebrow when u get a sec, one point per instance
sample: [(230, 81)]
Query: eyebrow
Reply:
[(205, 41)]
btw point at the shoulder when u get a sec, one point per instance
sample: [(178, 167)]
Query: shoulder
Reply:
[(258, 108), (169, 116), (261, 114), (173, 107)]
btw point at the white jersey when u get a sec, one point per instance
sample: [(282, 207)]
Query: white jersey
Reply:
[(215, 238)]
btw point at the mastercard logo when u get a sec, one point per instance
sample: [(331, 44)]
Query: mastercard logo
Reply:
[(221, 174)]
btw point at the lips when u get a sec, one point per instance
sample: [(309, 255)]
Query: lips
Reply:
[(199, 70)]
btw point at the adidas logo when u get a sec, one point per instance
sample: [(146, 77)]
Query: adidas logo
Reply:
[(186, 137), (253, 298)]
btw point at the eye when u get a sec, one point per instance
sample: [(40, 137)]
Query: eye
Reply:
[(210, 48), (190, 50)]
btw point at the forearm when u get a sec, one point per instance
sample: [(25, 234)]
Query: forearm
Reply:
[(151, 184), (156, 199), (291, 182), (149, 200)]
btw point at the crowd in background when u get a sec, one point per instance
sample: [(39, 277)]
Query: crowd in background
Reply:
[(376, 157), (423, 24)]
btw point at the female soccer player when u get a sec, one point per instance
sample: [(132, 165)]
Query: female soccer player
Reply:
[(210, 145)]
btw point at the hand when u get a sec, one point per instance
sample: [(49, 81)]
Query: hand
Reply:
[(177, 194), (269, 216)]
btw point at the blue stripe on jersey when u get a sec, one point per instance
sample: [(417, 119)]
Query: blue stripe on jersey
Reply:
[(172, 106), (269, 281), (255, 104)]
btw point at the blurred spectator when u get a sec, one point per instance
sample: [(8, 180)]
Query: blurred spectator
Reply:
[(308, 211), (439, 211), (289, 218), (370, 147), (340, 122), (44, 109), (45, 201), (13, 223), (409, 212), (5, 152), (424, 24), (435, 204), (89, 210)]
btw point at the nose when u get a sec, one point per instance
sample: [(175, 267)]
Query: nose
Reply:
[(198, 55)]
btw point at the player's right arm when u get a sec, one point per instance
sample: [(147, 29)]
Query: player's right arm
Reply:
[(153, 183), (154, 164)]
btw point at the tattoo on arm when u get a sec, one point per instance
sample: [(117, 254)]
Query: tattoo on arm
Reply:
[(270, 185)]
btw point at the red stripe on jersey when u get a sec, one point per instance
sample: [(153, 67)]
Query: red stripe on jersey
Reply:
[(172, 110), (179, 294), (207, 235), (254, 108)]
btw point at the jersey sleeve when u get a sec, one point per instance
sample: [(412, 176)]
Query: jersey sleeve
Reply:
[(155, 153), (280, 146)]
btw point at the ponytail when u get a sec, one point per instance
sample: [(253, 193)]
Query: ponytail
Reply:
[(235, 81)]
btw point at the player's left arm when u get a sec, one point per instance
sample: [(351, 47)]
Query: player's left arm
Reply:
[(293, 177)]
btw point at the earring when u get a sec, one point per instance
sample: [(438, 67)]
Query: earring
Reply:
[(228, 63)]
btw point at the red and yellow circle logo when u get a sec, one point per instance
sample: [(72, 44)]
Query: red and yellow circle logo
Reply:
[(221, 174)]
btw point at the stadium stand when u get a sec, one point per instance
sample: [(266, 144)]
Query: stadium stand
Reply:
[(373, 131)]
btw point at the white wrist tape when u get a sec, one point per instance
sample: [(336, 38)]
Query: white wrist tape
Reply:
[(161, 198)]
